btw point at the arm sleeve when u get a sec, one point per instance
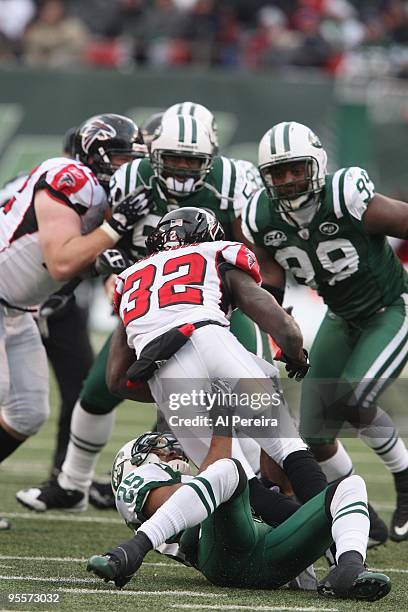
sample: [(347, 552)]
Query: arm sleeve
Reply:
[(117, 294), (74, 185), (239, 256), (358, 191)]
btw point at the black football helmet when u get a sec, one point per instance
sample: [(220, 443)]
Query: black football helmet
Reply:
[(184, 226), (100, 137), (149, 127), (68, 142)]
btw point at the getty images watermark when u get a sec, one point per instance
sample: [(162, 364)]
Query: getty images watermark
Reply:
[(200, 403)]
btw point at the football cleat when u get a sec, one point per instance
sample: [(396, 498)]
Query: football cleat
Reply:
[(399, 521), (121, 563), (378, 529), (109, 567), (52, 497), (101, 495), (351, 580)]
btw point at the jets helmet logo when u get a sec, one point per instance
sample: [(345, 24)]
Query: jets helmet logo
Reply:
[(96, 130)]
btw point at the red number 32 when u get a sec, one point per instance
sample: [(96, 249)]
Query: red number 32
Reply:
[(140, 283)]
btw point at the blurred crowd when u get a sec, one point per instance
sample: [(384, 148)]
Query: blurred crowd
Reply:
[(334, 36)]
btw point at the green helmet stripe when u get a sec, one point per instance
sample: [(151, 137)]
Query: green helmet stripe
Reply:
[(273, 143), (192, 110), (181, 128), (180, 109), (194, 130), (127, 178), (286, 145)]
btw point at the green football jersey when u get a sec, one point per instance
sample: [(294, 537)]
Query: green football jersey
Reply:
[(355, 273), (225, 192)]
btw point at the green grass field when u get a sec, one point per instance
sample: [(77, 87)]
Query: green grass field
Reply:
[(46, 553)]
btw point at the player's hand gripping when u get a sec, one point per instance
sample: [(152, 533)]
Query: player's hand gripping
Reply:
[(112, 261), (133, 207), (296, 368)]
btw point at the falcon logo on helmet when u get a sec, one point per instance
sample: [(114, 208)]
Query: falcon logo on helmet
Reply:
[(96, 130)]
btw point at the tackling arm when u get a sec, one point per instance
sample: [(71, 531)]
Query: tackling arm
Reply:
[(262, 308), (66, 252)]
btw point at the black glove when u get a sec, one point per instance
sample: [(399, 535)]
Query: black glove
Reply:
[(132, 208), (295, 368), (112, 261)]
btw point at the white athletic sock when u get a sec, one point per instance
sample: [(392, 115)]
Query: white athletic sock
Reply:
[(382, 436), (193, 502), (89, 434), (351, 522), (338, 466)]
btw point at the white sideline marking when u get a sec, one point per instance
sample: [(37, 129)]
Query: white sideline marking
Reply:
[(240, 607), (158, 563)]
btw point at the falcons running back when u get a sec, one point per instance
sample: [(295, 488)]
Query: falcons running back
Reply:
[(185, 290), (178, 285), (49, 233), (208, 519)]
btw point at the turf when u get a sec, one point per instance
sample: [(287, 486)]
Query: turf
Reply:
[(46, 553)]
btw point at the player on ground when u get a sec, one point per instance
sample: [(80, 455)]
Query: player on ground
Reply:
[(329, 231), (48, 234), (210, 517)]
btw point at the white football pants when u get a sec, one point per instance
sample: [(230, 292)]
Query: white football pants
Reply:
[(23, 374), (212, 353)]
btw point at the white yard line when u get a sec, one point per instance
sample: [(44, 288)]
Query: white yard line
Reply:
[(137, 593), (240, 607), (172, 564), (64, 516)]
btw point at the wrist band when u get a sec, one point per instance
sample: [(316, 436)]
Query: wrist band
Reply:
[(109, 231)]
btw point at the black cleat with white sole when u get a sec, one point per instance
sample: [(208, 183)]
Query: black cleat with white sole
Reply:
[(51, 496), (120, 564), (351, 580), (399, 521)]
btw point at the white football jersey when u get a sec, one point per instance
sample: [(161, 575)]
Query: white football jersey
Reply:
[(134, 489), (24, 279), (179, 285)]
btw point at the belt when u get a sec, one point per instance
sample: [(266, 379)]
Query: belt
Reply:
[(161, 349)]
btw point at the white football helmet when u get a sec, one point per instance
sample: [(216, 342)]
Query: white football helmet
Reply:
[(181, 136), (200, 112), (292, 143), (150, 447)]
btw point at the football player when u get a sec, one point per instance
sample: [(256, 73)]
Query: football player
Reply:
[(49, 233), (215, 184), (330, 231), (210, 522)]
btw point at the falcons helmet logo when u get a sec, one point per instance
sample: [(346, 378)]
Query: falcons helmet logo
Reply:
[(96, 130)]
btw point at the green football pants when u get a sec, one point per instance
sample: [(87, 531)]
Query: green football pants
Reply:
[(352, 363), (236, 550)]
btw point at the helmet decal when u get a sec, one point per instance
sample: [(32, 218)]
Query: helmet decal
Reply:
[(96, 130)]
